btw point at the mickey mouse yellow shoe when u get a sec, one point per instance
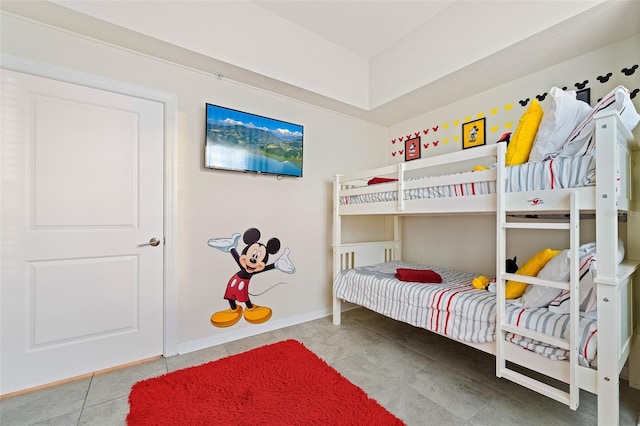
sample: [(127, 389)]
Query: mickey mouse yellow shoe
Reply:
[(257, 314), (227, 318)]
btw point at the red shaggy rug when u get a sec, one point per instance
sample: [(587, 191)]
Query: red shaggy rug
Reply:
[(279, 384)]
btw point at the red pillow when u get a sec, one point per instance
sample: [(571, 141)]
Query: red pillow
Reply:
[(418, 275), (375, 180)]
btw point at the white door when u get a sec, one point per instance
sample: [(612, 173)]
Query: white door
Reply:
[(81, 192)]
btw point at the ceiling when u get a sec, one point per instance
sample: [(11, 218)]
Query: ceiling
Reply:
[(365, 28), (368, 29)]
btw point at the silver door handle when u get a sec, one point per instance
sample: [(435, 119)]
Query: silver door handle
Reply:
[(152, 242)]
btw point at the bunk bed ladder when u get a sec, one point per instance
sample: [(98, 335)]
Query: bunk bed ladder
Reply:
[(570, 398)]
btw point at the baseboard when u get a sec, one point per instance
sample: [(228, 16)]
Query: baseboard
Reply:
[(254, 330)]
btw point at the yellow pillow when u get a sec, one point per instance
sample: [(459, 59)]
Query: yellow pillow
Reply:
[(522, 141), (515, 289)]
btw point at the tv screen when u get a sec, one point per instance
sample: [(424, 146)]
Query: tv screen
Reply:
[(246, 142)]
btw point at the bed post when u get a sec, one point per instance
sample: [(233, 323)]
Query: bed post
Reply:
[(607, 273), (501, 255), (337, 240), (397, 236), (633, 251)]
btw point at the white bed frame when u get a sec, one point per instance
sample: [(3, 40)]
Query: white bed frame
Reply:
[(611, 194)]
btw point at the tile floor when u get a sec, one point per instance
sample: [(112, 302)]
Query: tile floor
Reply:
[(423, 378)]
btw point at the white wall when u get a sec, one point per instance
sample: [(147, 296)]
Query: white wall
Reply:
[(502, 110), (217, 204)]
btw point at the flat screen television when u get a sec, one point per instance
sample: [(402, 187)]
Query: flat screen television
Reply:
[(246, 142)]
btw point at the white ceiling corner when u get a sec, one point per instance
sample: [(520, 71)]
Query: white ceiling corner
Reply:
[(364, 28)]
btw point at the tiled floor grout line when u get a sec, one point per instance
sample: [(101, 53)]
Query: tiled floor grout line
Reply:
[(84, 402)]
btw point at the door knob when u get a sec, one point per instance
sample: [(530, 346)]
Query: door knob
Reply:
[(152, 242)]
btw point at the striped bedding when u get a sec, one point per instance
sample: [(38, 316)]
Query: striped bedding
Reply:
[(561, 172), (455, 308)]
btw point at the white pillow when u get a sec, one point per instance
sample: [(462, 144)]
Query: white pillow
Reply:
[(588, 301), (564, 114), (581, 140), (556, 269), (588, 267)]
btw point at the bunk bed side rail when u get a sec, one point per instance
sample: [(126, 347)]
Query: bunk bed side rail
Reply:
[(358, 183), (461, 178), (423, 163)]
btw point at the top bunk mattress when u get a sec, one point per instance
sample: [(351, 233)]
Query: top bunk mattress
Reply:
[(561, 172)]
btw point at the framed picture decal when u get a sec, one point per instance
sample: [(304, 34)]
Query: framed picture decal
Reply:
[(473, 133), (412, 149)]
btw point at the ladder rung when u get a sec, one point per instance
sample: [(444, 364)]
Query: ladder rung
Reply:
[(536, 281), (544, 338), (536, 385), (537, 225)]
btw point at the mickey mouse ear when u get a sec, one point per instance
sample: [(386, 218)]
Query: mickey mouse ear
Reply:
[(273, 245), (251, 235)]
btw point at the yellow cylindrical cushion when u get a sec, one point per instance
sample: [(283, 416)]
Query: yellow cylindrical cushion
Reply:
[(515, 289), (522, 141)]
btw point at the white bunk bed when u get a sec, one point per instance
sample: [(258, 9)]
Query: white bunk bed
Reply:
[(611, 194)]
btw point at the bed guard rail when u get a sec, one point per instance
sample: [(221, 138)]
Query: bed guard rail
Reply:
[(349, 256), (439, 169), (422, 163)]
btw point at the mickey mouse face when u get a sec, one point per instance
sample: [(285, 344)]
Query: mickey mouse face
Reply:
[(253, 258), (255, 255)]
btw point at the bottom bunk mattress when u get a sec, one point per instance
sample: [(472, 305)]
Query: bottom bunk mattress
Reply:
[(456, 309)]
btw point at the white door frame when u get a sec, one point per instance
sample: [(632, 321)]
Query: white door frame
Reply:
[(27, 66)]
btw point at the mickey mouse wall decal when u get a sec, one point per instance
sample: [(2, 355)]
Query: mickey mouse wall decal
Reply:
[(582, 85), (604, 78), (634, 93), (524, 102), (252, 261), (542, 97), (629, 71)]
